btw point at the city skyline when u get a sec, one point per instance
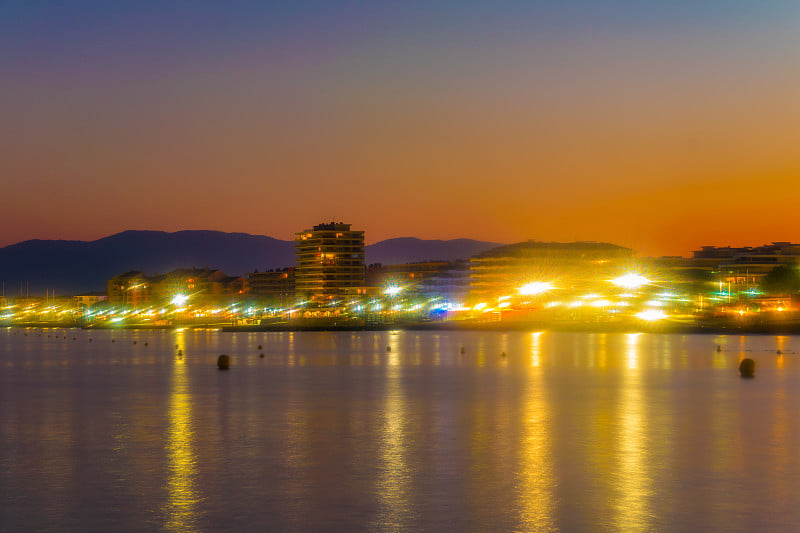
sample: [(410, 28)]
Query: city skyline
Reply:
[(659, 128)]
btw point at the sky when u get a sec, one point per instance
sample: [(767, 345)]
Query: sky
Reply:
[(662, 126)]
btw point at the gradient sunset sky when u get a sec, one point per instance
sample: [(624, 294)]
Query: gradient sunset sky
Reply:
[(662, 126)]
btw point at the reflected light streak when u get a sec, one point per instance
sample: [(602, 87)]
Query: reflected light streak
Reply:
[(393, 358), (291, 357), (720, 361), (602, 351), (182, 463), (180, 341), (536, 349), (632, 350), (536, 499), (725, 445), (781, 349), (633, 485), (393, 485)]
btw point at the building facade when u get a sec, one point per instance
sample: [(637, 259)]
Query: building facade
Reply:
[(448, 280), (87, 299), (734, 272), (130, 288), (275, 286), (569, 266), (329, 263), (199, 285), (743, 269)]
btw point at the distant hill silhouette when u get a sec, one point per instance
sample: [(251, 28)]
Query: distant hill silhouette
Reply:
[(410, 249), (71, 267)]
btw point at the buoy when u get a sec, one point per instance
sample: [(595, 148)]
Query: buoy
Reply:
[(74, 338), (388, 348), (134, 342), (719, 348), (260, 347), (503, 354), (90, 340), (462, 349), (747, 368), (261, 355), (177, 346), (146, 344), (779, 352), (224, 362), (112, 340), (180, 353)]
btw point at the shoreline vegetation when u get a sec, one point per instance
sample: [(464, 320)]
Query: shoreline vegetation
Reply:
[(711, 327)]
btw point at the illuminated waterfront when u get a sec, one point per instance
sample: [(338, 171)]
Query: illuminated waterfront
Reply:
[(397, 431)]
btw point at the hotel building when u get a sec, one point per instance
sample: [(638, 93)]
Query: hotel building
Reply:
[(329, 263)]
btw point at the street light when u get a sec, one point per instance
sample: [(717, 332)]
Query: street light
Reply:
[(392, 290), (630, 281), (535, 287)]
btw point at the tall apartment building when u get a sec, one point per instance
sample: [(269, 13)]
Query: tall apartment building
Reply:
[(329, 263)]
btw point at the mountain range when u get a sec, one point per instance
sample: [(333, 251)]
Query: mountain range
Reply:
[(72, 267)]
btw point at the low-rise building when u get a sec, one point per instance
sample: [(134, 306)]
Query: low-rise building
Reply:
[(198, 285), (88, 299), (734, 272), (448, 280), (275, 286), (131, 288), (570, 266)]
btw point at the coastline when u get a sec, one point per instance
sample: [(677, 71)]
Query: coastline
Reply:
[(702, 328), (674, 328)]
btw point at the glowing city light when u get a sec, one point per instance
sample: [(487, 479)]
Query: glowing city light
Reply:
[(630, 281), (535, 287), (392, 290), (179, 299), (651, 315)]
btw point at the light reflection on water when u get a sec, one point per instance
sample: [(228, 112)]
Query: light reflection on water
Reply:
[(536, 484), (394, 480), (182, 494), (632, 486), (397, 431)]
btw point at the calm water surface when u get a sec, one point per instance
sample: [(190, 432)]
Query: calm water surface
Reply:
[(381, 431)]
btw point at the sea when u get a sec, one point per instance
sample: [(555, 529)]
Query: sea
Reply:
[(139, 430)]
